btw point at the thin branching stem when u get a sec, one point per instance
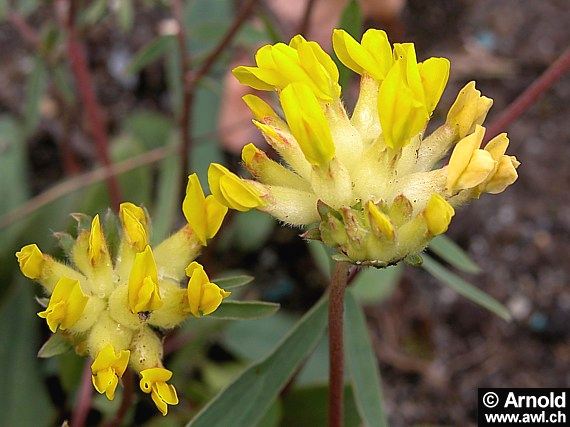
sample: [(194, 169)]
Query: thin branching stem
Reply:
[(83, 400), (337, 289), (92, 110)]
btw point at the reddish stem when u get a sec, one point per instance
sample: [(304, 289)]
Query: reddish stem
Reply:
[(93, 113), (526, 99), (83, 400), (306, 19), (338, 285)]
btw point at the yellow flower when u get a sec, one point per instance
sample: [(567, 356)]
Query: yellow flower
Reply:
[(153, 381), (97, 247), (469, 109), (308, 123), (204, 214), (66, 305), (301, 61), (381, 222), (231, 190), (143, 292), (31, 261), (438, 214), (469, 166), (203, 297), (135, 225), (107, 368), (409, 94), (372, 56)]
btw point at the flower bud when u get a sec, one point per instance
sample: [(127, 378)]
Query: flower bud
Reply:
[(438, 214), (97, 246), (144, 294), (381, 224), (31, 261)]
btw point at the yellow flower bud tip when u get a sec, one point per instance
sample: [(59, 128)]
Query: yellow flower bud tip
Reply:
[(66, 305), (438, 214), (204, 214), (134, 222), (469, 109), (232, 191), (498, 146), (203, 297), (153, 381), (381, 223), (31, 261), (505, 175), (308, 124), (97, 246), (259, 108), (143, 290), (107, 368)]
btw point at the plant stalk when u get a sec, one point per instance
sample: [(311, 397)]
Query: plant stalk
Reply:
[(339, 281)]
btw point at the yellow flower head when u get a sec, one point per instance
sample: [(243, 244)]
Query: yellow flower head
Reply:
[(65, 306), (143, 292), (31, 261), (301, 61), (135, 225), (153, 381), (107, 368), (232, 191), (203, 297), (204, 214), (97, 247), (370, 180)]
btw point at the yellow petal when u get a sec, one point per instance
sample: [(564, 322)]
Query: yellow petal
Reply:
[(198, 280), (215, 214), (66, 305), (438, 214), (153, 375), (167, 393), (434, 73), (477, 171), (97, 246), (497, 147), (143, 291), (259, 108), (461, 156), (402, 115), (378, 46), (248, 76), (505, 175), (381, 222), (469, 109), (308, 124), (211, 298), (31, 261), (135, 224), (232, 191), (194, 208)]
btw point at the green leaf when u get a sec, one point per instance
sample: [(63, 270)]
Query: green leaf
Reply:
[(252, 229), (321, 256), (36, 86), (125, 14), (308, 407), (94, 12), (363, 365), (466, 289), (373, 285), (232, 282), (351, 22), (151, 52), (240, 310), (56, 344), (24, 401), (451, 252), (167, 206), (244, 402)]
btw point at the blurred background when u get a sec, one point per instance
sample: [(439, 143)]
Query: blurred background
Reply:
[(87, 84)]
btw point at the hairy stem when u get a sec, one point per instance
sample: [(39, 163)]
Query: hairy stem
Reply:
[(339, 281)]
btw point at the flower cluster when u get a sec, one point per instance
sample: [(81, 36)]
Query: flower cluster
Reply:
[(372, 183), (109, 307)]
